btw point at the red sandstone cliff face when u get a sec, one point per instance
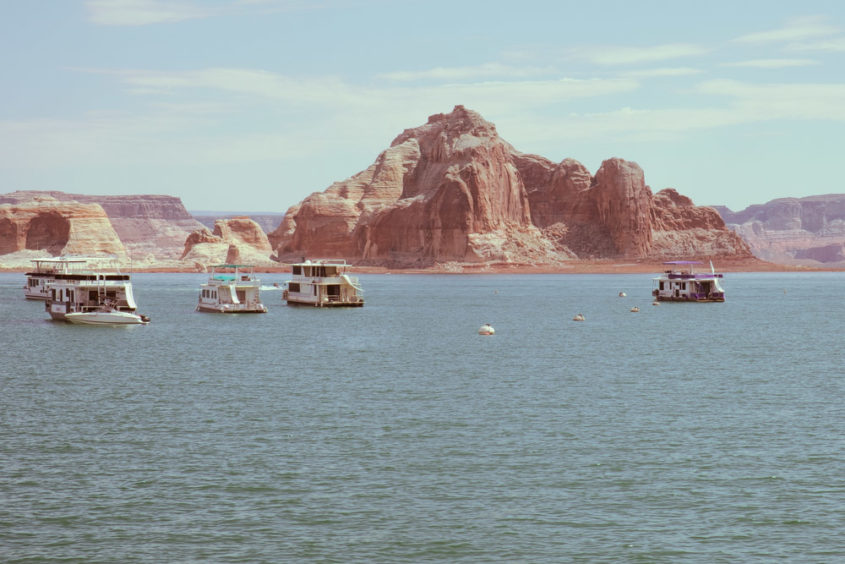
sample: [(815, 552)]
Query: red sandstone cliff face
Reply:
[(426, 199), (452, 190), (49, 227)]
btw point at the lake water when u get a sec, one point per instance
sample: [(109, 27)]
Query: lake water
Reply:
[(394, 432)]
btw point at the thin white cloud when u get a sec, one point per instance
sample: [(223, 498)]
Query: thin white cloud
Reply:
[(483, 71), (798, 29), (143, 12), (831, 45), (759, 102), (331, 91), (638, 55), (663, 72), (772, 63)]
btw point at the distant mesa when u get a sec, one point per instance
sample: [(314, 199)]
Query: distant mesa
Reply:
[(452, 190), (794, 231)]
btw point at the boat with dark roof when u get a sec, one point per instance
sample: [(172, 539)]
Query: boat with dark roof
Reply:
[(99, 296), (681, 283), (44, 271)]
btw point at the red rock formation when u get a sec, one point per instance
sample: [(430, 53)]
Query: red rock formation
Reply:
[(57, 228), (151, 227), (233, 240), (799, 231), (452, 190), (426, 199)]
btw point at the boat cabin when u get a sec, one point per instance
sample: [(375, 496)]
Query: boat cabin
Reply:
[(323, 283), (680, 283)]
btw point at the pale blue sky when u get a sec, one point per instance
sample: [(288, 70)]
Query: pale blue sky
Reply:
[(251, 105)]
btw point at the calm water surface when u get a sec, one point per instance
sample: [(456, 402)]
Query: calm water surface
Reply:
[(682, 433)]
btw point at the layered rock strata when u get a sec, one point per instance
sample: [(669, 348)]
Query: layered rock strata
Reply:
[(236, 240), (797, 231), (152, 227), (453, 190), (47, 227)]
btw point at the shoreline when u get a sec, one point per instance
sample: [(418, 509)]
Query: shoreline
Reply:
[(573, 267)]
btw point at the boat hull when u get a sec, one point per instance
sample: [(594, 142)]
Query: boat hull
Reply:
[(228, 308), (105, 318), (326, 303), (683, 299)]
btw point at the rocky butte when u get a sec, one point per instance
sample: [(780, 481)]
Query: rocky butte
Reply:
[(452, 190)]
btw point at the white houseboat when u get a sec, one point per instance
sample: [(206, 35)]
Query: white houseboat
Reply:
[(44, 271), (681, 284), (93, 297), (231, 288), (323, 283)]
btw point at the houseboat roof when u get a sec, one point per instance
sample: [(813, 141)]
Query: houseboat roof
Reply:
[(318, 262)]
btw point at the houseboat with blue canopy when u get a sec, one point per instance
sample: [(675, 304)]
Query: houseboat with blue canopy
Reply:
[(680, 283), (231, 288)]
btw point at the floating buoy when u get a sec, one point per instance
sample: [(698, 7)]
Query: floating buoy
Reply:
[(622, 294), (486, 329), (579, 317), (635, 309)]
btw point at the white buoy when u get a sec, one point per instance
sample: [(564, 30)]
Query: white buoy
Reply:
[(486, 329)]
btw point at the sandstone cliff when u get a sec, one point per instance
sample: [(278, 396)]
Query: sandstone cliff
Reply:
[(47, 227), (236, 240), (808, 231), (453, 190), (268, 221), (152, 227)]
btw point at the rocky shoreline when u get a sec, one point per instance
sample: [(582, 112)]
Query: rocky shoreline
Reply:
[(573, 267)]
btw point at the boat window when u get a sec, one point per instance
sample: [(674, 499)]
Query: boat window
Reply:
[(297, 270), (293, 286), (661, 284)]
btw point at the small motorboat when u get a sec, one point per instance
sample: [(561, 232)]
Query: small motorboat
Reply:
[(622, 294), (635, 309), (579, 317), (486, 329), (106, 316)]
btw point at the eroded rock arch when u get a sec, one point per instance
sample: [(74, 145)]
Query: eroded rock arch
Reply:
[(48, 231)]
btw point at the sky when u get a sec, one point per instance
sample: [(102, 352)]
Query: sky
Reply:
[(251, 105)]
